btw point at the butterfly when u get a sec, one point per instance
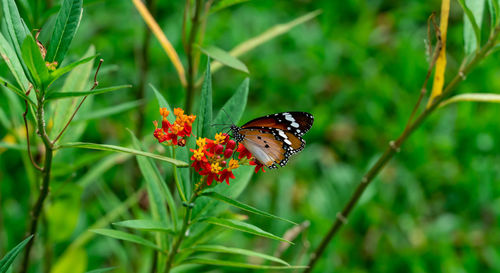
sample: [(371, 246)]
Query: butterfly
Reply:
[(272, 139)]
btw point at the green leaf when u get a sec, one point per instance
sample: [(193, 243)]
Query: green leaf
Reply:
[(158, 193), (242, 226), (74, 261), (109, 111), (56, 74), (35, 63), (114, 148), (16, 90), (63, 212), (96, 171), (77, 80), (102, 270), (494, 9), (16, 30), (232, 250), (222, 4), (7, 260), (225, 58), (245, 207), (473, 18), (205, 109), (147, 225), (120, 235), (475, 97), (13, 63), (235, 106), (237, 264), (162, 103), (70, 94), (65, 28)]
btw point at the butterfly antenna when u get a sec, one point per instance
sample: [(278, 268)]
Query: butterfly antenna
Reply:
[(228, 116)]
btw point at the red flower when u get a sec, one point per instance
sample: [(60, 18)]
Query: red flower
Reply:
[(257, 165), (181, 128)]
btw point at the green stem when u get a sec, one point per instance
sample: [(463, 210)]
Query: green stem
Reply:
[(44, 189), (394, 147), (191, 73), (182, 233), (176, 178)]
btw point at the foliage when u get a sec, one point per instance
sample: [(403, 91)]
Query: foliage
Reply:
[(87, 175)]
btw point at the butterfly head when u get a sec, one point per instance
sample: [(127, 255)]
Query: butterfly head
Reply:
[(235, 130)]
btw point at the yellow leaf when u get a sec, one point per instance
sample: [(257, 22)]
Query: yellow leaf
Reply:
[(437, 85), (165, 43)]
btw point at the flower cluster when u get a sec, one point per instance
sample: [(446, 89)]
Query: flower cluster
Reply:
[(211, 157), (176, 132)]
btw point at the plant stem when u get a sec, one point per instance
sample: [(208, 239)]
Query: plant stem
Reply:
[(394, 147), (182, 233), (191, 73), (176, 178), (44, 189)]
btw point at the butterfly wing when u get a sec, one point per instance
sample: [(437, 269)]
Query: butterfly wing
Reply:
[(266, 146), (297, 123)]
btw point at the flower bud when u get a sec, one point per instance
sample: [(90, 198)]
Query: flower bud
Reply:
[(228, 153), (181, 142), (219, 149), (231, 144), (223, 163)]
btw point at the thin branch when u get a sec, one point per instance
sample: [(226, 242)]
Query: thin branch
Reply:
[(393, 148), (79, 105), (191, 73), (27, 131), (435, 56)]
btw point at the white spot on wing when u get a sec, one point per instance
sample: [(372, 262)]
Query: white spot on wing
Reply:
[(295, 124)]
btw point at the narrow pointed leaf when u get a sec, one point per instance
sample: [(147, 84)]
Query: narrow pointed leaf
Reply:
[(205, 109), (473, 17), (232, 250), (102, 270), (9, 56), (7, 260), (35, 63), (237, 264), (146, 225), (242, 226), (120, 235), (162, 103), (67, 23), (63, 70), (16, 29), (225, 58), (222, 4), (114, 148), (242, 206), (70, 94), (235, 106), (16, 90)]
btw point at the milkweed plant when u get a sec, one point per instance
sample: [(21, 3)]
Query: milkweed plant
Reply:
[(193, 171)]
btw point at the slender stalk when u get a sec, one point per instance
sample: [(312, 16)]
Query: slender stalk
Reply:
[(44, 189), (394, 147), (182, 234), (96, 83), (191, 73), (176, 178), (144, 68), (28, 133)]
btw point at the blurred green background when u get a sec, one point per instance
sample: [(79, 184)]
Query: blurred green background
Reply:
[(357, 68)]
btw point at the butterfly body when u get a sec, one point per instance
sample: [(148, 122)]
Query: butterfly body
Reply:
[(272, 139)]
